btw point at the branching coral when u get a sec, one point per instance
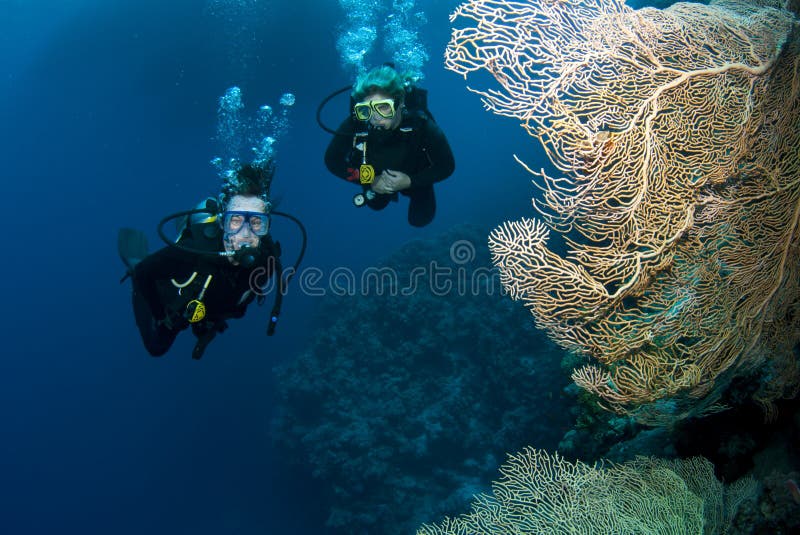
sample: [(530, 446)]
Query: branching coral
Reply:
[(678, 135), (540, 493)]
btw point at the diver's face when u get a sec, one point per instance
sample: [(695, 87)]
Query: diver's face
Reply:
[(245, 235), (384, 123)]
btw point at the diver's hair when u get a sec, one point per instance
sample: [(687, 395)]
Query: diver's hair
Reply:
[(384, 79), (250, 181)]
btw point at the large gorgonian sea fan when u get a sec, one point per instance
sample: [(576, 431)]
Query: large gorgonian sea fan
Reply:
[(678, 135), (542, 493)]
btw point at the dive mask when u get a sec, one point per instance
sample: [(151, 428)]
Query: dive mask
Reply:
[(235, 220), (383, 107)]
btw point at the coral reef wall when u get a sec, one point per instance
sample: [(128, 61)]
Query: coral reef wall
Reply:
[(413, 388)]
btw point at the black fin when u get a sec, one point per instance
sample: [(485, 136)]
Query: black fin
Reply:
[(132, 247)]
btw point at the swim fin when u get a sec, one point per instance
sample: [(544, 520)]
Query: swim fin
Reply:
[(202, 342), (205, 333), (132, 247)]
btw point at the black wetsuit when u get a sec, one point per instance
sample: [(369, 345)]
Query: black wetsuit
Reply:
[(159, 305), (418, 147)]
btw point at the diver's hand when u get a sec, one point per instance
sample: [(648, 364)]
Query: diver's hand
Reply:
[(166, 322), (398, 179), (391, 181), (382, 185)]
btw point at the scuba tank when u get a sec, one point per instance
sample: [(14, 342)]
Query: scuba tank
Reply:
[(200, 227)]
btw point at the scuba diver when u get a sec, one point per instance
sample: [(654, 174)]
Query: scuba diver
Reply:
[(221, 262), (390, 145)]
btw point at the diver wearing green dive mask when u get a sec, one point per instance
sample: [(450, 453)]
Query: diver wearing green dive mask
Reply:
[(388, 149), (381, 107)]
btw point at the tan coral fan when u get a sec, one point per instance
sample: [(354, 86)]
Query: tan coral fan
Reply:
[(678, 132)]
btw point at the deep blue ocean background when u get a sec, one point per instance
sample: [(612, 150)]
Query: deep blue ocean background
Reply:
[(108, 112)]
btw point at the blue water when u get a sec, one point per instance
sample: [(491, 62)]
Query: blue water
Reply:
[(108, 112)]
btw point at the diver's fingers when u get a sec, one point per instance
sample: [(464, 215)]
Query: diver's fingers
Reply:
[(382, 187), (382, 184)]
